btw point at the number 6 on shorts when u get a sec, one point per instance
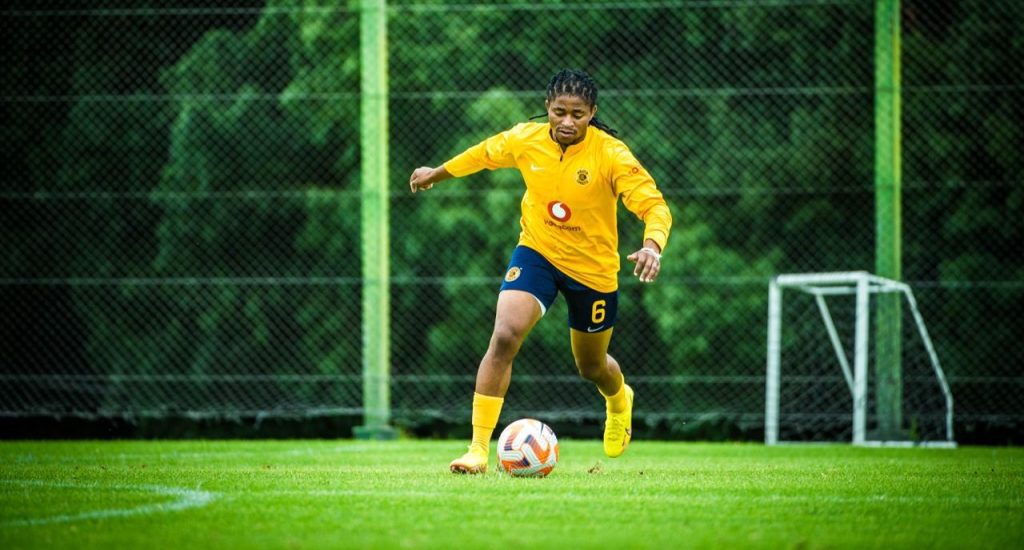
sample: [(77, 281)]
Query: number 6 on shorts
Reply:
[(597, 312)]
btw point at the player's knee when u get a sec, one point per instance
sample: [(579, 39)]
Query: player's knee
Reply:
[(590, 370), (506, 339)]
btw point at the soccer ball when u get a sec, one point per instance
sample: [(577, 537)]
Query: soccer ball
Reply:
[(528, 448)]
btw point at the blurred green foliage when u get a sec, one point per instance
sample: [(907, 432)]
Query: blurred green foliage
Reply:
[(208, 148)]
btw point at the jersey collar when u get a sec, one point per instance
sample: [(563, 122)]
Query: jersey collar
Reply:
[(576, 147)]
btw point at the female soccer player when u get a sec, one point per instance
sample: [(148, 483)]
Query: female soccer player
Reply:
[(575, 170)]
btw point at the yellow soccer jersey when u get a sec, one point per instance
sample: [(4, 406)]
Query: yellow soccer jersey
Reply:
[(569, 208)]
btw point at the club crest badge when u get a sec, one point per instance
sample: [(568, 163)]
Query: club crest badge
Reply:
[(582, 177), (513, 274)]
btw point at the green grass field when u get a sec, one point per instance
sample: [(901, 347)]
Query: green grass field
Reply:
[(351, 494)]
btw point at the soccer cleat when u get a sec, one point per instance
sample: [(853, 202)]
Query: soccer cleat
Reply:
[(618, 428), (473, 462)]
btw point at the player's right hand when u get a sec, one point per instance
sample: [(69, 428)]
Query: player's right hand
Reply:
[(421, 179)]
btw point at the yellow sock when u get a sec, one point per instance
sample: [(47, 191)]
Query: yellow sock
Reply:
[(617, 401), (486, 410)]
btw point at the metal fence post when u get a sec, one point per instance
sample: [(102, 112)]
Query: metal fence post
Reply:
[(888, 325), (374, 234)]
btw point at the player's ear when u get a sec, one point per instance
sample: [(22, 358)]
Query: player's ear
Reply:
[(593, 110)]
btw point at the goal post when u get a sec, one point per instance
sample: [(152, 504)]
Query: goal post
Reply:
[(818, 386)]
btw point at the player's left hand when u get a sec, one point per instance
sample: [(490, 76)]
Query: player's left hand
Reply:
[(648, 263)]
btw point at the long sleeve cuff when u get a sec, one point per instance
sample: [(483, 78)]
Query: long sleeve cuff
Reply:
[(657, 236)]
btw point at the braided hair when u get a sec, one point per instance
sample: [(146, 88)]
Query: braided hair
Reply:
[(576, 83)]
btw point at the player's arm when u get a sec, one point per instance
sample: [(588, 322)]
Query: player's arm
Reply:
[(641, 196), (491, 153)]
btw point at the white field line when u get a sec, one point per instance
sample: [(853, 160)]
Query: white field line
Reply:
[(661, 498), (186, 498), (181, 455)]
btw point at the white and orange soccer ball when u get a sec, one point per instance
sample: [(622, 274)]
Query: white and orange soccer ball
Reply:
[(528, 448)]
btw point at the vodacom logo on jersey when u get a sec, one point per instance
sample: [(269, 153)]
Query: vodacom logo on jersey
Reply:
[(559, 211)]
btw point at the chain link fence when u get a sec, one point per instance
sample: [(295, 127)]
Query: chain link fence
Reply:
[(181, 204)]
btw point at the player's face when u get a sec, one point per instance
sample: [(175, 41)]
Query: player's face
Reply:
[(569, 117)]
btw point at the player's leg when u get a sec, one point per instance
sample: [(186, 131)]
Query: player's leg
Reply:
[(593, 362), (527, 292), (591, 320), (517, 312), (590, 350)]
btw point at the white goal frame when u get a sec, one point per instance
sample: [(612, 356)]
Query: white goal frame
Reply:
[(862, 284)]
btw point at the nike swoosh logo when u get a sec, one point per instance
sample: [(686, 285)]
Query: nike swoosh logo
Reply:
[(594, 329), (536, 168)]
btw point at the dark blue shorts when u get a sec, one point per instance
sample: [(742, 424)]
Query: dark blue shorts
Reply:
[(589, 310)]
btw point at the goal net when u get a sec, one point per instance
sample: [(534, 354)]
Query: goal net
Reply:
[(850, 359)]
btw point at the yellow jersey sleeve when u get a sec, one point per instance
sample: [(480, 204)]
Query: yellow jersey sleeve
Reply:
[(640, 195), (492, 153)]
